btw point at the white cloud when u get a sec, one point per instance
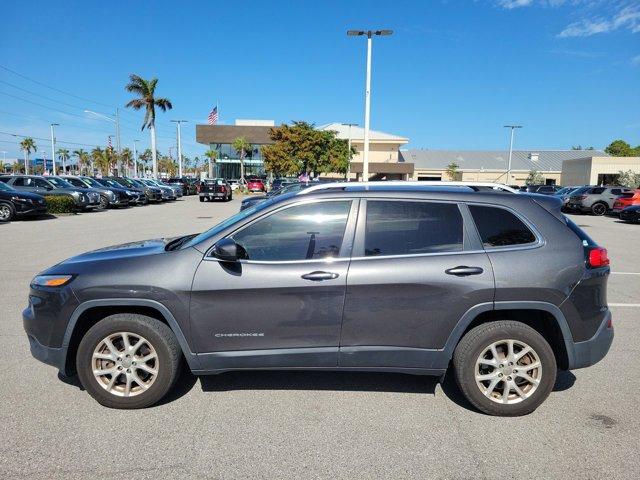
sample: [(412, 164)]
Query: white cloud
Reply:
[(511, 4), (628, 18), (635, 61)]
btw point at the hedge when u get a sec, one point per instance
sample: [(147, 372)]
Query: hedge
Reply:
[(60, 204)]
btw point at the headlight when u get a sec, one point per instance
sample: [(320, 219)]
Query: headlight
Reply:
[(75, 194), (24, 200), (51, 280)]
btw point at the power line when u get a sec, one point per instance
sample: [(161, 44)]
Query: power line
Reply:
[(48, 139)]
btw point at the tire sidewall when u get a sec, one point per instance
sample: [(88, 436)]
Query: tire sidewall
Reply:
[(12, 211), (167, 365), (515, 331)]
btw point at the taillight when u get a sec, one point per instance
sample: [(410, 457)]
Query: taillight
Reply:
[(598, 257), (224, 189)]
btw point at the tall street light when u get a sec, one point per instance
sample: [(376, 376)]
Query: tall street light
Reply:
[(135, 159), (512, 127), (349, 146), (178, 123), (367, 93), (53, 151), (116, 121)]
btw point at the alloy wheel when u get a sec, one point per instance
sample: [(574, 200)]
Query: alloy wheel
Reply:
[(508, 371), (125, 364), (104, 202), (5, 213), (599, 209)]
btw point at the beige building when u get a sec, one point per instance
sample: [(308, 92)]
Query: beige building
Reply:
[(384, 152), (597, 170), (492, 165)]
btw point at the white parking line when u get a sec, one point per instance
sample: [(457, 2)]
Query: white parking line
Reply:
[(625, 273), (624, 305)]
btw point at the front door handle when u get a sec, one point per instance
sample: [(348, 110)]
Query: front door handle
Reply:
[(320, 276), (463, 271)]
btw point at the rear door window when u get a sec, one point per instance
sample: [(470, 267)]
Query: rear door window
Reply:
[(499, 227), (409, 228), (596, 191)]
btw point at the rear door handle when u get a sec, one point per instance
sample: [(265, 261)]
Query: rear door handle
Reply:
[(320, 276), (463, 271)]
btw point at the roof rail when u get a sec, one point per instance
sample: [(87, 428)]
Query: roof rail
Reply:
[(329, 186)]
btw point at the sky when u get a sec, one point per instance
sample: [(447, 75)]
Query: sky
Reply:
[(451, 75)]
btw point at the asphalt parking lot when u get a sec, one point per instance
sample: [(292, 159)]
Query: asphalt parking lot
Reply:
[(300, 424)]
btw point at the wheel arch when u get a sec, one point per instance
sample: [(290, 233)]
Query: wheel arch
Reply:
[(545, 318), (89, 313)]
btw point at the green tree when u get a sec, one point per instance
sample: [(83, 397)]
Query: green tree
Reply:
[(452, 171), (299, 147), (27, 145), (620, 148), (101, 160), (242, 147), (83, 159), (126, 156), (629, 179), (63, 156), (146, 89), (534, 178), (168, 165), (211, 155)]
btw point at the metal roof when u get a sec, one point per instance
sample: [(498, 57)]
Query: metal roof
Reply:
[(547, 160), (357, 133)]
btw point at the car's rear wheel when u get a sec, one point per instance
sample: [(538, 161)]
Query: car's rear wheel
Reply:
[(104, 202), (599, 208), (505, 368), (7, 212), (128, 361)]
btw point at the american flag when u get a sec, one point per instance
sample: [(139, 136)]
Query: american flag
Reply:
[(213, 116)]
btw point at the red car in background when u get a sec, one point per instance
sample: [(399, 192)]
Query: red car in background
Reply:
[(626, 200), (256, 185)]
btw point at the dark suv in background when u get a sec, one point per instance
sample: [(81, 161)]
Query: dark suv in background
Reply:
[(376, 277), (14, 203), (42, 186)]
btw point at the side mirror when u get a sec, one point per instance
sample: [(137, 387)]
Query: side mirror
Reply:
[(226, 250)]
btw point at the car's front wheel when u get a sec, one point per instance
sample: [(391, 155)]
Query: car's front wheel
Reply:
[(104, 202), (599, 208), (505, 368), (128, 361), (7, 212)]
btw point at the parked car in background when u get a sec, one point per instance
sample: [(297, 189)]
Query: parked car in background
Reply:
[(541, 189), (255, 199), (631, 214), (14, 203), (564, 194), (594, 199), (136, 196), (626, 200), (188, 184), (283, 181), (235, 183), (40, 185), (215, 188), (154, 194), (168, 191), (277, 286), (108, 197), (256, 185)]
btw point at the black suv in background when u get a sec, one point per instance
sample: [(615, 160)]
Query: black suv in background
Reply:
[(188, 184), (367, 277), (14, 203)]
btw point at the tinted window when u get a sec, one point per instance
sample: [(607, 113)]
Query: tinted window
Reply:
[(547, 189), (303, 232), (21, 182), (499, 227), (597, 190), (616, 191), (38, 182), (405, 228)]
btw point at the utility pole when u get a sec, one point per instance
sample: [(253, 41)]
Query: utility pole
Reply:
[(512, 127), (367, 94), (178, 123), (53, 151), (135, 159)]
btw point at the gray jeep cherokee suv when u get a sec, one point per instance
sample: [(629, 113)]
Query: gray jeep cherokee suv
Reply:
[(416, 280)]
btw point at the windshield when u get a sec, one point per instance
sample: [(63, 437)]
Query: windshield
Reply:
[(5, 187), (134, 183), (111, 183), (90, 182), (58, 182), (581, 190)]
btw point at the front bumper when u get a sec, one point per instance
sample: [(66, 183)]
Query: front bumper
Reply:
[(591, 351), (26, 209)]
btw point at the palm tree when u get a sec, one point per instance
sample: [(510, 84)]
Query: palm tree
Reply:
[(100, 160), (28, 145), (125, 156), (146, 90), (83, 159), (63, 156), (211, 155), (241, 146)]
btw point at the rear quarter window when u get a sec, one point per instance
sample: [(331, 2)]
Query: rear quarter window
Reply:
[(499, 227)]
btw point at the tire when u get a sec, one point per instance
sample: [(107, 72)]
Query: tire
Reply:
[(599, 208), (158, 342), (475, 345), (202, 199), (104, 202), (231, 196), (7, 212)]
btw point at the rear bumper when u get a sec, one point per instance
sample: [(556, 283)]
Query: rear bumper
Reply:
[(591, 351), (213, 194)]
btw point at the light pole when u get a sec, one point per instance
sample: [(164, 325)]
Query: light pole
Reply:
[(53, 151), (512, 127), (135, 159), (367, 93), (178, 123), (4, 160), (349, 147)]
